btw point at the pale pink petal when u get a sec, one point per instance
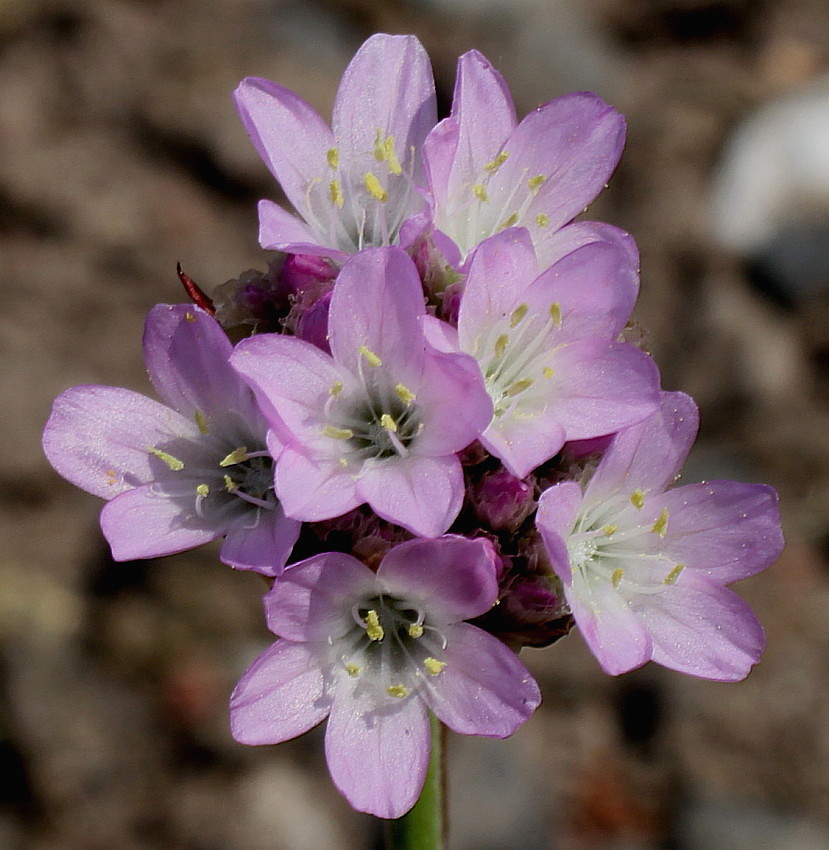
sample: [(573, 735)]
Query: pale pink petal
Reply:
[(260, 541), (523, 444), (280, 230), (313, 491), (377, 754), (281, 696), (557, 511), (553, 245), (483, 689)]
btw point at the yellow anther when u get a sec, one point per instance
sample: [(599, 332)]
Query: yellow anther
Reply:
[(404, 393), (230, 485), (660, 527), (397, 691), (479, 191), (375, 188), (510, 222), (673, 575), (637, 499), (548, 372), (111, 477), (373, 628), (555, 314), (542, 220), (337, 433), (497, 162), (390, 156), (173, 462), (201, 421), (519, 387), (501, 345), (371, 358), (336, 388), (535, 183), (333, 157), (336, 193), (189, 317), (433, 666), (202, 490), (610, 529), (353, 670), (343, 462), (616, 578), (518, 314), (415, 630), (236, 456), (388, 423)]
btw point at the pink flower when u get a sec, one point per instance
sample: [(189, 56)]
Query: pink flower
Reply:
[(355, 185), (488, 172), (374, 651), (178, 474), (645, 567), (380, 419)]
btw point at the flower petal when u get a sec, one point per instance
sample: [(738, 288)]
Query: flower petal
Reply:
[(260, 542), (98, 437), (377, 755), (281, 696), (727, 529), (557, 510), (313, 491), (483, 689), (144, 523), (423, 494), (452, 578), (280, 230), (552, 245), (649, 455), (288, 134), (313, 598), (702, 629)]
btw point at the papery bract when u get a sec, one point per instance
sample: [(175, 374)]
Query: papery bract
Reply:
[(645, 567), (375, 651), (380, 419), (354, 185), (184, 472)]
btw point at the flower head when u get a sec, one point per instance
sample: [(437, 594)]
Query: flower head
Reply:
[(488, 172), (184, 472), (372, 652), (354, 185), (546, 346), (645, 567), (380, 419)]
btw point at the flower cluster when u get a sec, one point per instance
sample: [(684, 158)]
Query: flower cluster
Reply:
[(432, 435)]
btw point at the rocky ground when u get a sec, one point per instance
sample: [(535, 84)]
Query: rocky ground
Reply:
[(121, 154)]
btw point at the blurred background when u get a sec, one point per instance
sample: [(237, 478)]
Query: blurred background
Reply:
[(121, 154)]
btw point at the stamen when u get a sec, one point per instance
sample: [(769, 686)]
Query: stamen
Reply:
[(673, 575), (189, 317), (610, 529), (203, 491), (336, 388), (404, 393), (353, 670), (616, 578), (173, 462), (660, 527), (390, 156), (501, 345), (336, 194), (518, 314), (518, 387), (510, 222), (375, 188), (433, 666), (333, 157), (371, 358), (388, 423), (397, 691), (201, 421), (637, 499), (373, 628), (239, 455), (415, 630), (337, 433), (535, 183), (230, 485), (542, 220), (497, 162), (555, 313), (548, 372), (479, 191)]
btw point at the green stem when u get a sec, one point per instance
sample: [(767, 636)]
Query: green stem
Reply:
[(424, 827)]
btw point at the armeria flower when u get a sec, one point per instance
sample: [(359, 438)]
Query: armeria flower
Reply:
[(381, 418), (181, 473), (645, 567), (356, 185), (374, 651), (488, 172), (546, 346)]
